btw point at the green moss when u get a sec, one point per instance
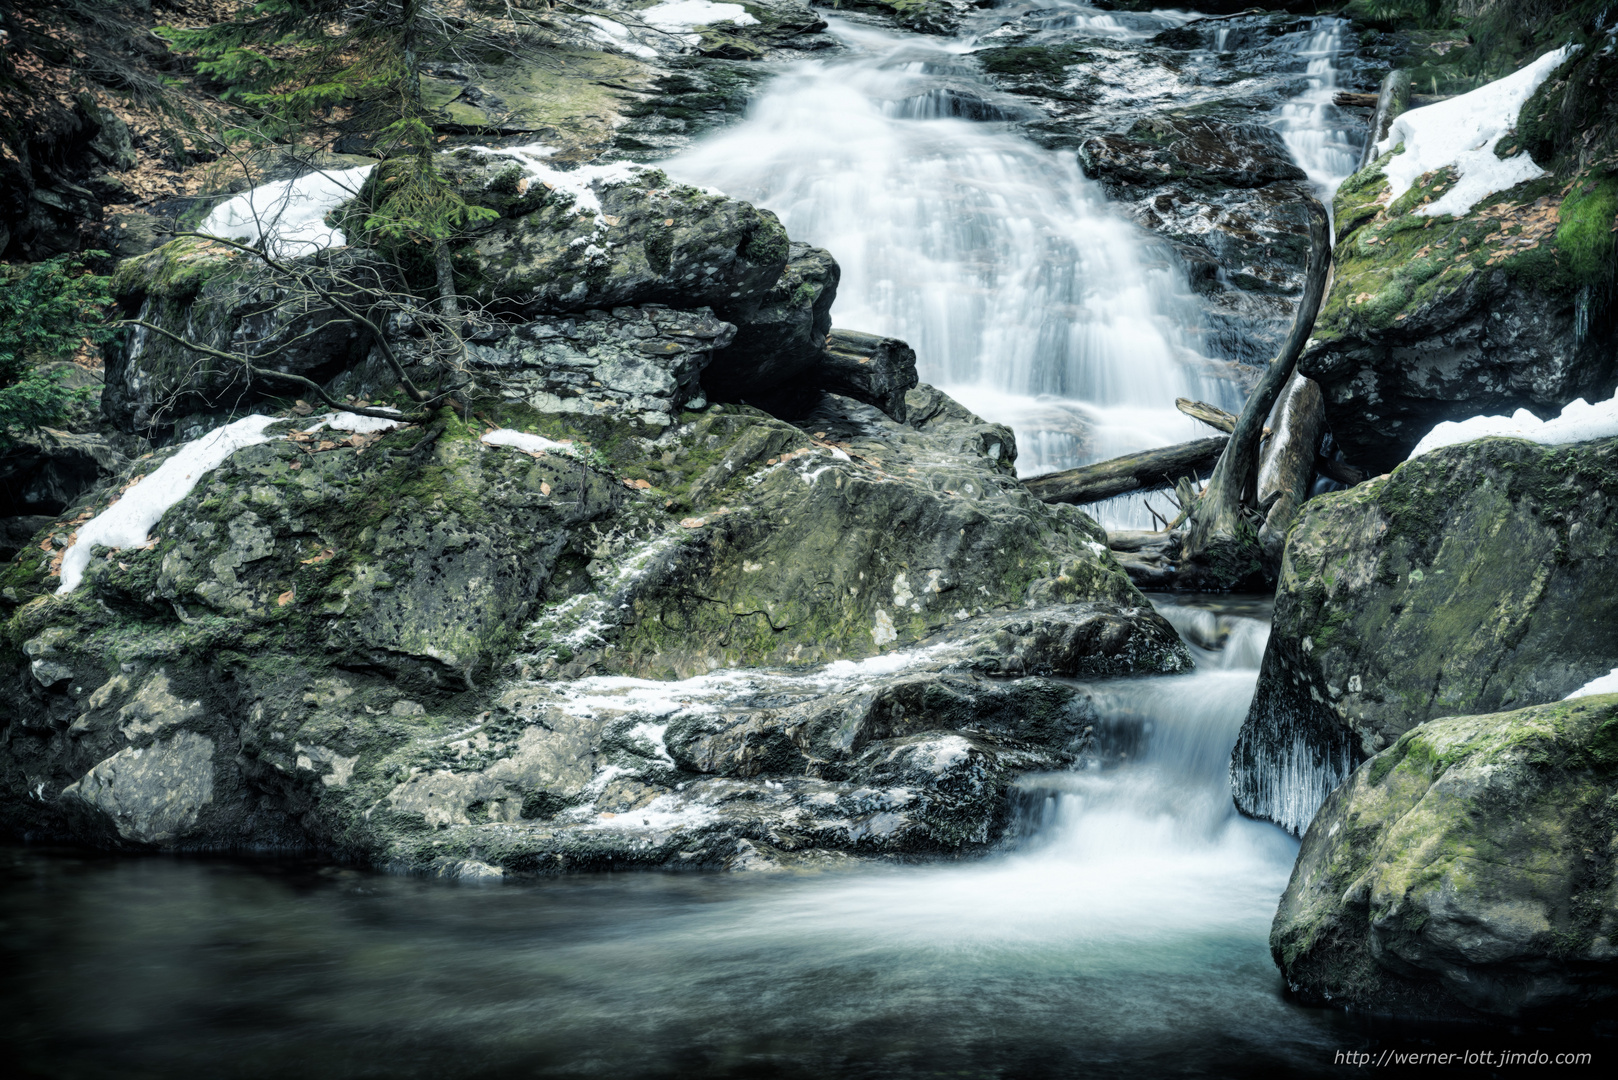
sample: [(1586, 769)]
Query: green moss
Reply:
[(1586, 235)]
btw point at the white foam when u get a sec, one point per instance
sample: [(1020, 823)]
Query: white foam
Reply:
[(522, 440), (1606, 684), (1579, 422), (288, 216), (675, 15), (128, 522), (1463, 132)]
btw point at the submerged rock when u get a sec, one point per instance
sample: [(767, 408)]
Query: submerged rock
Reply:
[(1475, 578), (1468, 868)]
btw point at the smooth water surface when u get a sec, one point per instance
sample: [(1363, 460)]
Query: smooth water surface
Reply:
[(1126, 936)]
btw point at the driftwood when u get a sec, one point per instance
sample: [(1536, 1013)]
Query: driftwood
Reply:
[(1287, 462), (1216, 538), (1345, 99), (1147, 470), (1212, 415)]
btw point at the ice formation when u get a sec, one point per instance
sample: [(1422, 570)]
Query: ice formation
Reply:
[(1579, 422), (1606, 684), (1463, 132), (128, 522), (288, 215)]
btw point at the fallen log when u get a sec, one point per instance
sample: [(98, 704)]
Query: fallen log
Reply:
[(1220, 420), (1147, 470), (1391, 100), (1212, 415), (1346, 99)]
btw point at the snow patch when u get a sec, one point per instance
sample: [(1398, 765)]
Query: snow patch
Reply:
[(617, 34), (579, 183), (1579, 422), (362, 425), (1463, 132), (128, 522), (522, 440), (676, 15), (288, 216), (1607, 684)]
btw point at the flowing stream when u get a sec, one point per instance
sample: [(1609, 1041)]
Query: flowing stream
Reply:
[(1126, 937), (1126, 934)]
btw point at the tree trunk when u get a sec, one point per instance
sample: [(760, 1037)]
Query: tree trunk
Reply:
[(1147, 470), (1393, 99), (449, 304), (1220, 539), (1287, 462)]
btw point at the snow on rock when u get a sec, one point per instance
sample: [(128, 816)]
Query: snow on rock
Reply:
[(1463, 132), (676, 15), (362, 425), (1606, 684), (618, 35), (1580, 421), (288, 215), (534, 444), (128, 522), (579, 183)]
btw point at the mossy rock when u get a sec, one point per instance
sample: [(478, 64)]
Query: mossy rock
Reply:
[(1475, 578), (1468, 868)]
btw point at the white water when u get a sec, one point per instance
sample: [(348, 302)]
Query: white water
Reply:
[(1025, 295), (1314, 129)]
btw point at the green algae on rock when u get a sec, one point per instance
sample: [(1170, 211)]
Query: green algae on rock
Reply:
[(1475, 578), (1468, 868)]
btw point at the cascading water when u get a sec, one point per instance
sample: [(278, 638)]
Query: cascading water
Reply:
[(1314, 129), (1025, 296)]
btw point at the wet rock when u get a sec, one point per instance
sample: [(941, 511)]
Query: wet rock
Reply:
[(152, 794), (781, 342), (1475, 578), (1468, 868), (654, 241), (643, 361), (223, 299)]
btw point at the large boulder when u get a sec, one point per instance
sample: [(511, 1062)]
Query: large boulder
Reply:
[(1475, 578), (608, 236), (225, 300), (1469, 868), (411, 646)]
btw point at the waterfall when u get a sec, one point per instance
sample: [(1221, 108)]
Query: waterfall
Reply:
[(1025, 295), (1323, 142)]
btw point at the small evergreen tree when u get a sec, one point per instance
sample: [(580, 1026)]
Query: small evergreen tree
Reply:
[(308, 69), (48, 311)]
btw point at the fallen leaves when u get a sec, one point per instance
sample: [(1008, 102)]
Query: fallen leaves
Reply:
[(286, 598)]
